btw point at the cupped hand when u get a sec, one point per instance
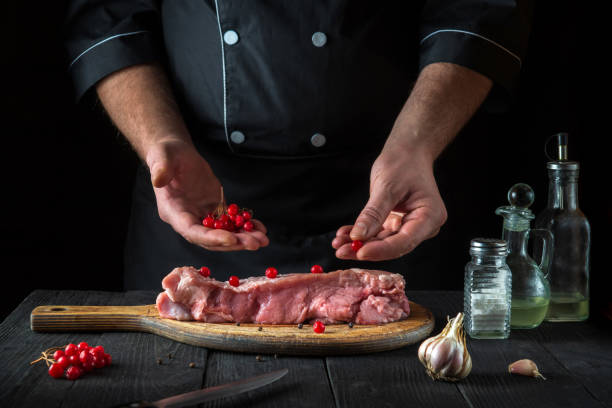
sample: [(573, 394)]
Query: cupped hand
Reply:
[(186, 190), (404, 208)]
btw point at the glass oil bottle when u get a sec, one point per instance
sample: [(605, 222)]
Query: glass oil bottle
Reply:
[(530, 288), (570, 267)]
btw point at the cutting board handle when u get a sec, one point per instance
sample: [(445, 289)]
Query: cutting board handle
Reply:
[(90, 318)]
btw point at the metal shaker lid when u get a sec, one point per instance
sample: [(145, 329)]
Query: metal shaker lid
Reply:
[(488, 246)]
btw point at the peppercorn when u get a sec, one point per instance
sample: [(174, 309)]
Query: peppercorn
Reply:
[(300, 325), (159, 361), (169, 356), (259, 328), (258, 358), (237, 323), (191, 365), (351, 325)]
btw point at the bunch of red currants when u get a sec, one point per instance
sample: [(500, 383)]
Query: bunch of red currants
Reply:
[(74, 360), (232, 219)]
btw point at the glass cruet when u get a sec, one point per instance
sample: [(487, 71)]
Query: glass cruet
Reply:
[(570, 266), (530, 286)]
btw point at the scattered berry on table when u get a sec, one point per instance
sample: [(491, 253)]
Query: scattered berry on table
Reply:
[(316, 269), (318, 327)]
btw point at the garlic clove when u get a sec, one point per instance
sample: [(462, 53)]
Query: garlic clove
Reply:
[(525, 367)]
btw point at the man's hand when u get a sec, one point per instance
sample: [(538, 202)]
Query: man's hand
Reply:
[(139, 100), (186, 190), (405, 207)]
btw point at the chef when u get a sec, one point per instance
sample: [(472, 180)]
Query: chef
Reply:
[(323, 117)]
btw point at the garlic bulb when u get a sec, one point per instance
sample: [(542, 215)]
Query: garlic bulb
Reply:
[(525, 367), (445, 356)]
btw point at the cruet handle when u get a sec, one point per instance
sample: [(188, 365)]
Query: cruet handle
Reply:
[(547, 249)]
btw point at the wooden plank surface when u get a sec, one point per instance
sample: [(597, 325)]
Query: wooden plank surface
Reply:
[(576, 359), (257, 338)]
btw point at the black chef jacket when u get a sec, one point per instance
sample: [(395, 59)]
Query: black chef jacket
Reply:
[(290, 102)]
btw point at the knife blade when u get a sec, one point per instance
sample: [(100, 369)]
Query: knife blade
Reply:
[(211, 393)]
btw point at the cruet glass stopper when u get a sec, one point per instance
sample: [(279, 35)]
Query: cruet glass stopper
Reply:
[(521, 195), (517, 215)]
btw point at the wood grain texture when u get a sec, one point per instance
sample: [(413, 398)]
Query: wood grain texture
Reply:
[(279, 339)]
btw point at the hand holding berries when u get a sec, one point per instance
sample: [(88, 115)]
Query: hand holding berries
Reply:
[(237, 221)]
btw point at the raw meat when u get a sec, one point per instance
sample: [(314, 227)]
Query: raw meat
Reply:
[(353, 295)]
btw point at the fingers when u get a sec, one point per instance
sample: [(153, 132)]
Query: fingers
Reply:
[(374, 214), (417, 227), (392, 241)]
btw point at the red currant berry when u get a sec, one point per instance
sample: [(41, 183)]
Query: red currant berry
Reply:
[(108, 359), (232, 209), (318, 327), (228, 226), (224, 218), (205, 272), (56, 371), (271, 272), (316, 269), (83, 346), (234, 281), (209, 222), (218, 224), (71, 349), (355, 245), (248, 226), (74, 360), (98, 361), (88, 366), (239, 221), (85, 356), (58, 354), (63, 361), (246, 215), (73, 372), (98, 350)]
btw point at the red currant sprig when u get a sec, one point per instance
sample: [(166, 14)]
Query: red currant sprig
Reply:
[(72, 361)]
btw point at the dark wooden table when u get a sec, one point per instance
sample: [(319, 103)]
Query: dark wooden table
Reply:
[(576, 359)]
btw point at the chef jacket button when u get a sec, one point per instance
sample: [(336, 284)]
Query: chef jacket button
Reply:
[(230, 37), (319, 39), (318, 140), (237, 137)]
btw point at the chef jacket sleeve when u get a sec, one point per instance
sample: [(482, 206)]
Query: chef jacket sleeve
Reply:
[(489, 37), (104, 36)]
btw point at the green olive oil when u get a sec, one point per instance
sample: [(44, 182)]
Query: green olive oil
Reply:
[(568, 307), (528, 313)]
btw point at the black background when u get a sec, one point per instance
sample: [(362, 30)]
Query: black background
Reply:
[(67, 173)]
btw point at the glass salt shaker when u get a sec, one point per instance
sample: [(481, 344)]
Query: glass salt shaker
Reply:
[(569, 271), (530, 287), (487, 290)]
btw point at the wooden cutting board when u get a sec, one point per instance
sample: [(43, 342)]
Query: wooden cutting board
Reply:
[(279, 339)]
